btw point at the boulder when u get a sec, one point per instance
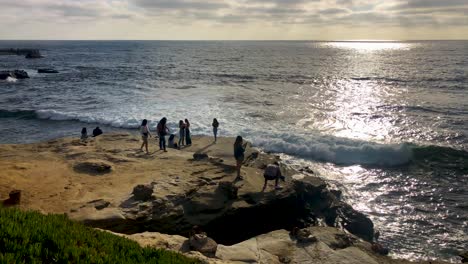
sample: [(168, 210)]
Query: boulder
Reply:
[(143, 192), (93, 167), (279, 247), (20, 74), (203, 244), (99, 204), (379, 249), (15, 198), (200, 156)]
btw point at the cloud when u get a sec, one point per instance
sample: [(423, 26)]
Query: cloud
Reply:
[(181, 4), (243, 15)]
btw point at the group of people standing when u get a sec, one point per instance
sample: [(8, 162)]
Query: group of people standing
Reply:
[(184, 133), (162, 131)]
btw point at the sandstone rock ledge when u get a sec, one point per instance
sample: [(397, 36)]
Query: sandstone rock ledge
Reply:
[(109, 183), (331, 246)]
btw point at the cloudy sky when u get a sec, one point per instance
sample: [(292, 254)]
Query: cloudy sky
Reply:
[(234, 19)]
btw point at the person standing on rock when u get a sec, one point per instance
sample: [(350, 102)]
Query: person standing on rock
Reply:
[(145, 133), (84, 134), (181, 133), (188, 138), (239, 149), (162, 132), (215, 129), (272, 172)]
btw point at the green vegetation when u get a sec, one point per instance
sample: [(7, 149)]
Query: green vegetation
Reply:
[(30, 237)]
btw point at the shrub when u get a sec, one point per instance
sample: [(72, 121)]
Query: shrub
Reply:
[(30, 237)]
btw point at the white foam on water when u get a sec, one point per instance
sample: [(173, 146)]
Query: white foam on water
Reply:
[(11, 79), (334, 149)]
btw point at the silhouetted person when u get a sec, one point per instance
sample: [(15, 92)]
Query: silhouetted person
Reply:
[(188, 138), (181, 133), (97, 131), (162, 132), (171, 143), (84, 134), (215, 129), (239, 149)]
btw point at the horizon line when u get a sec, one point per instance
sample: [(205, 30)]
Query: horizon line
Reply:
[(312, 40)]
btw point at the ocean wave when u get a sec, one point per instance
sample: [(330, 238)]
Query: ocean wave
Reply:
[(336, 150), (317, 147)]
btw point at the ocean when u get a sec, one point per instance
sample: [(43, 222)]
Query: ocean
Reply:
[(386, 122)]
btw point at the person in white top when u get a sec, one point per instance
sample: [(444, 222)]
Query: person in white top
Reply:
[(145, 133), (272, 172)]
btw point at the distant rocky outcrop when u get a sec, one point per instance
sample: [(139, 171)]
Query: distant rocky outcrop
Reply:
[(17, 74), (29, 53), (47, 70), (33, 54)]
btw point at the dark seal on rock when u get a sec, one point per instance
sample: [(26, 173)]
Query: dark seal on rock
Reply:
[(203, 244), (93, 166), (143, 192), (200, 156)]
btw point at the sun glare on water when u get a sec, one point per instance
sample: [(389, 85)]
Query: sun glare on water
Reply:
[(369, 46)]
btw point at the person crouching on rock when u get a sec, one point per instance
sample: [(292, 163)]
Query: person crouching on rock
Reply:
[(171, 143), (145, 133), (272, 172), (97, 131), (239, 149)]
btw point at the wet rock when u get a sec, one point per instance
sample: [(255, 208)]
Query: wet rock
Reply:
[(304, 235), (143, 192), (464, 256), (200, 156), (100, 204), (202, 243), (33, 54), (357, 223), (379, 249), (4, 75), (93, 167), (14, 198), (307, 169), (46, 70), (20, 74)]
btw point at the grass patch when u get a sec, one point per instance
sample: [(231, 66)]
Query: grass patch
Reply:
[(30, 237)]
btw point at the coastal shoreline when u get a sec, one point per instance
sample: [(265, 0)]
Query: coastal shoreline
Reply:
[(94, 182)]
